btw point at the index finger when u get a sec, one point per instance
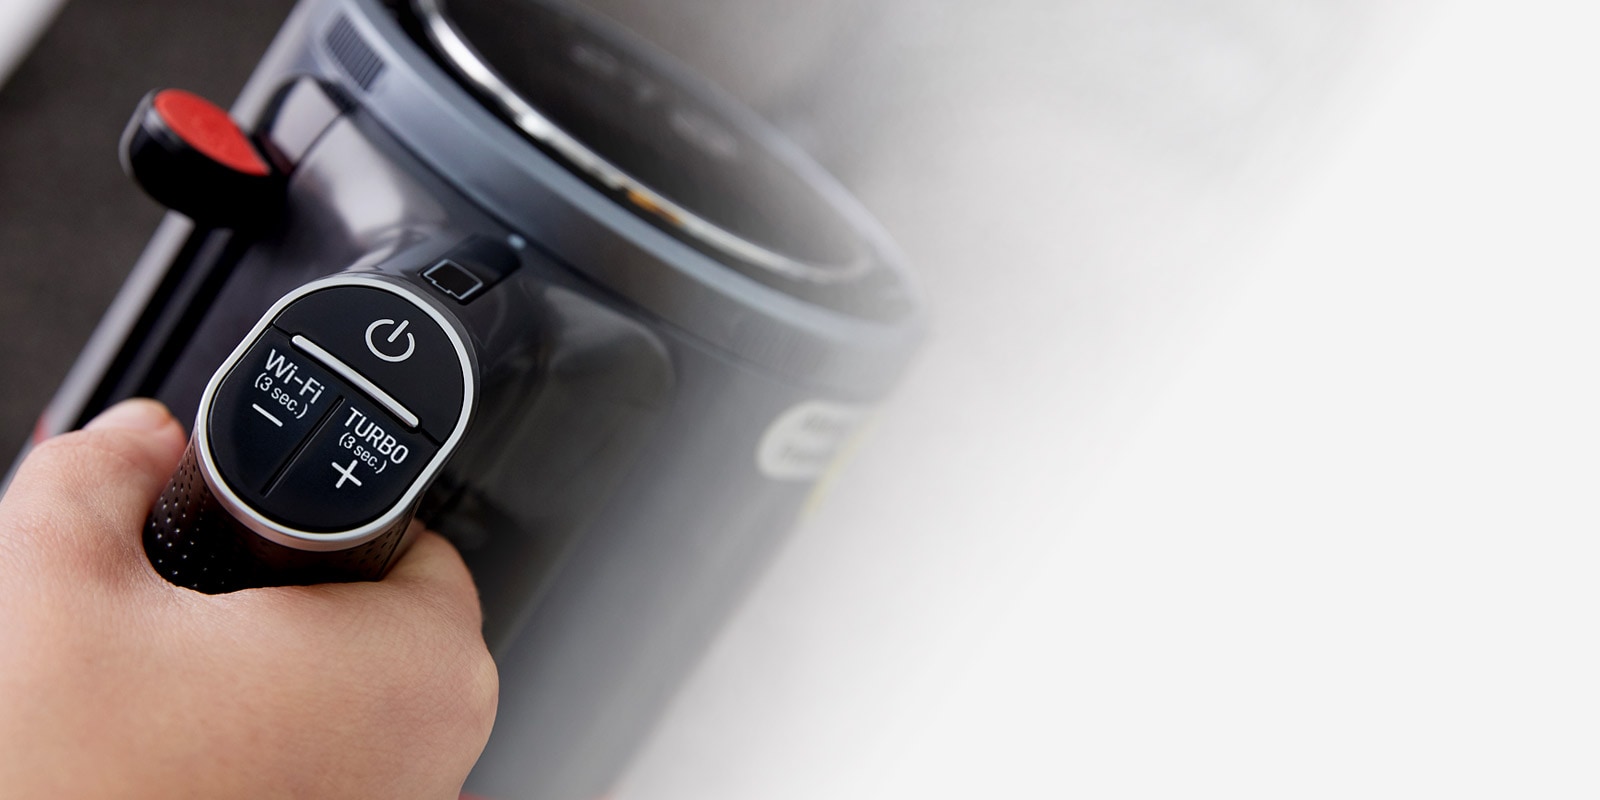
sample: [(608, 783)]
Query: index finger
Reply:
[(82, 497)]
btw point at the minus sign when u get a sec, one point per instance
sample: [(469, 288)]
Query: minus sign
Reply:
[(264, 413)]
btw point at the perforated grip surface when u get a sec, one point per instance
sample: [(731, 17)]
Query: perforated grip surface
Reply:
[(193, 541)]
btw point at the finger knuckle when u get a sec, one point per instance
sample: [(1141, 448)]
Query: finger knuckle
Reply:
[(483, 689)]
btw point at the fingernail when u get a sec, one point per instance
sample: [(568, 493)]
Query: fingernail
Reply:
[(138, 414)]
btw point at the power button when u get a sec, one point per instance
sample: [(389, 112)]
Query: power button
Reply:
[(387, 349), (389, 342)]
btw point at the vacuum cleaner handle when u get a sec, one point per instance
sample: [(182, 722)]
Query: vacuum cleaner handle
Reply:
[(315, 439), (192, 540)]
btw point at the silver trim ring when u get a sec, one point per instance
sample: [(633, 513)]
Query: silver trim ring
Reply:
[(454, 46), (343, 540)]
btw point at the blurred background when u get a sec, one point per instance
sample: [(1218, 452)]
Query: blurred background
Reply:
[(1253, 452)]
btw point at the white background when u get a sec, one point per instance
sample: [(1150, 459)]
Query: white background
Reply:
[(1280, 485)]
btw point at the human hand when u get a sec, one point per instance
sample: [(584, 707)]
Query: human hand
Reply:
[(115, 683)]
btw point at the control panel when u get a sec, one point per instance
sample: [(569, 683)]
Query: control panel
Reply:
[(317, 436)]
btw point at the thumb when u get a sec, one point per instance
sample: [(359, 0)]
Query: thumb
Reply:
[(85, 495)]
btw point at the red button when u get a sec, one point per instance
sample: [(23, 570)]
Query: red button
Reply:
[(210, 130)]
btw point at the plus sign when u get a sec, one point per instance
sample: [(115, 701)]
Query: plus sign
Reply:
[(346, 474)]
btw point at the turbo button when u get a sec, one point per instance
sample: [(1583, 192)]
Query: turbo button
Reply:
[(357, 466)]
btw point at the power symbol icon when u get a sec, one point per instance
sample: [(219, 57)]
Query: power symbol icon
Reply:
[(399, 328)]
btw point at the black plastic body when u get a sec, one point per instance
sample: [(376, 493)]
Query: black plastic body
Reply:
[(194, 542), (632, 464)]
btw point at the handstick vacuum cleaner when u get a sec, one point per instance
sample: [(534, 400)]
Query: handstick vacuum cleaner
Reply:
[(497, 267)]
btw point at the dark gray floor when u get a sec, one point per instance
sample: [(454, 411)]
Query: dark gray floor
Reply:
[(70, 223)]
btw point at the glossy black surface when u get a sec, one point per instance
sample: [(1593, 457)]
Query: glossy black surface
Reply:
[(355, 467), (262, 411), (390, 342)]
